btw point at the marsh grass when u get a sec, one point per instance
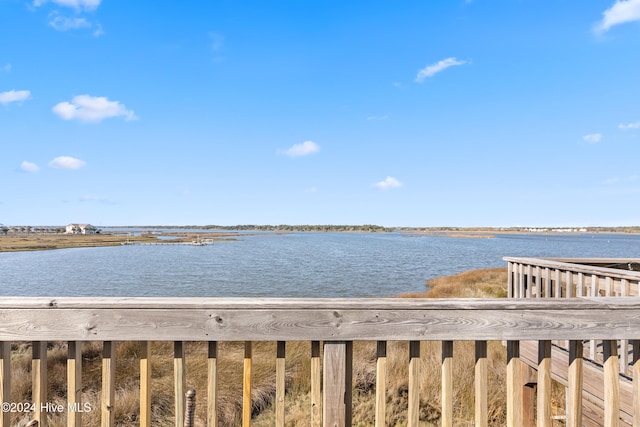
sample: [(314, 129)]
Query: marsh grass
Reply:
[(473, 284)]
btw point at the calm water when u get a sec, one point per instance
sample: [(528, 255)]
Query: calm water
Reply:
[(284, 265)]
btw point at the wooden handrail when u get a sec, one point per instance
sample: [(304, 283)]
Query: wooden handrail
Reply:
[(336, 323)]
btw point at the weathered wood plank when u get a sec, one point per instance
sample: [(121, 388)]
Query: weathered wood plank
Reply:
[(514, 385), (636, 383), (179, 382), (108, 383), (74, 384), (544, 384), (316, 394), (39, 381), (447, 384), (212, 384), (381, 383), (5, 381), (480, 385), (145, 383), (246, 384), (611, 384), (413, 415), (280, 382), (526, 319), (581, 265), (574, 390), (336, 410)]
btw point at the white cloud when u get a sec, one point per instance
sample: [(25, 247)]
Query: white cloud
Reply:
[(14, 96), (628, 126), (66, 162), (304, 149), (75, 4), (621, 12), (311, 189), (611, 181), (433, 69), (62, 23), (29, 167), (592, 138), (6, 68), (92, 109), (388, 183)]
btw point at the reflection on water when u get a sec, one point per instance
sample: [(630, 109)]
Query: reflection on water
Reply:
[(284, 265)]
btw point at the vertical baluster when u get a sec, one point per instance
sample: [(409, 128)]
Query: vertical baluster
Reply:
[(574, 398), (108, 383), (608, 286), (212, 384), (5, 381), (316, 395), (447, 383), (337, 381), (558, 293), (636, 383), (280, 382), (593, 344), (481, 405), (246, 385), (538, 282), (547, 282), (145, 383), (179, 381), (521, 282), (514, 385), (580, 290), (381, 383), (510, 293), (74, 383), (414, 384), (39, 378), (611, 384), (544, 384), (569, 280), (529, 282), (624, 344)]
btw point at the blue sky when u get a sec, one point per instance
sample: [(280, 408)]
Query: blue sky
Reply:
[(416, 113)]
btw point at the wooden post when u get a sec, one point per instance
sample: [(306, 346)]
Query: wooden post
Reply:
[(481, 372), (212, 385), (246, 385), (5, 381), (611, 384), (74, 384), (179, 381), (514, 385), (337, 375), (544, 384), (574, 398), (447, 383), (189, 408), (528, 380), (413, 416), (39, 378), (108, 383), (280, 382), (316, 394), (145, 383), (381, 383)]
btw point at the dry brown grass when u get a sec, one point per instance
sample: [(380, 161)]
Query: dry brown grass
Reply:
[(480, 283)]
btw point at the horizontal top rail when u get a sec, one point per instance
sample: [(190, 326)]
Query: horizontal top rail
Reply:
[(240, 319), (581, 265)]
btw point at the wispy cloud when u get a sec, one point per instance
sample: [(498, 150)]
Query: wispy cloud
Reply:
[(389, 183), (621, 12), (6, 68), (303, 149), (311, 189), (616, 180), (86, 108), (377, 118), (14, 96), (96, 199), (62, 23), (29, 167), (433, 69), (74, 4), (628, 126), (592, 138), (66, 162)]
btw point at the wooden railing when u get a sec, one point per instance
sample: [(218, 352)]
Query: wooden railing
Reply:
[(337, 323)]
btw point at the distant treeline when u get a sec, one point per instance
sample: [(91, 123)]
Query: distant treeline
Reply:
[(370, 228)]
